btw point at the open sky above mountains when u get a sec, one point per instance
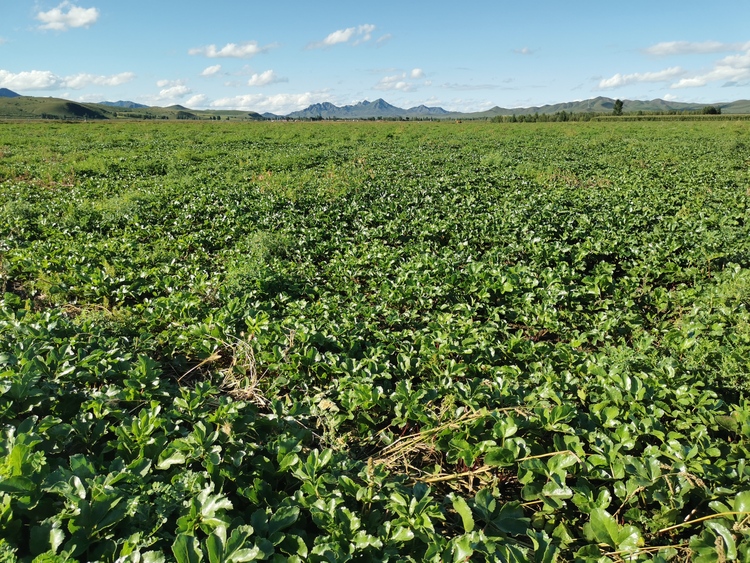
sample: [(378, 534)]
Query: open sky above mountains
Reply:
[(283, 56)]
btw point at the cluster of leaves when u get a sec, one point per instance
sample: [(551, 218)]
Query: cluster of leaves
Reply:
[(341, 341)]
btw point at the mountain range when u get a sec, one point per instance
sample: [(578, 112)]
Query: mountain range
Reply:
[(364, 110), (381, 108), (123, 104), (13, 105)]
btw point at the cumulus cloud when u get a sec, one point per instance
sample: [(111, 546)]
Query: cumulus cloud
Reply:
[(276, 103), (47, 80), (172, 90), (668, 48), (244, 50), (66, 16), (620, 80), (731, 70), (403, 81), (395, 82), (211, 70), (30, 80), (197, 101), (82, 80), (359, 34), (265, 78)]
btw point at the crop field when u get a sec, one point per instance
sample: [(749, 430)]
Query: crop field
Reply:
[(375, 342)]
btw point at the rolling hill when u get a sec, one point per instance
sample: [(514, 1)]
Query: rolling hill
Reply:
[(14, 106)]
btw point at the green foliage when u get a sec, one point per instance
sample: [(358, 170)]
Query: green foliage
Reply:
[(332, 342)]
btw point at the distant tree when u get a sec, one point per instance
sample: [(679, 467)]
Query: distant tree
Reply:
[(617, 109), (711, 110)]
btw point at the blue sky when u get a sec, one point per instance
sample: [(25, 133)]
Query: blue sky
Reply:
[(285, 55)]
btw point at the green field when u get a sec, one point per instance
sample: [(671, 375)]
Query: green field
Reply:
[(375, 342)]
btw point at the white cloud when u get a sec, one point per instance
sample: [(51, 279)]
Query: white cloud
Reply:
[(468, 87), (620, 80), (731, 69), (403, 81), (172, 90), (383, 39), (30, 80), (197, 101), (360, 34), (82, 80), (364, 33), (67, 15), (395, 82), (276, 103), (211, 70), (669, 97), (265, 78), (3, 40), (523, 51), (47, 80), (668, 48), (245, 50)]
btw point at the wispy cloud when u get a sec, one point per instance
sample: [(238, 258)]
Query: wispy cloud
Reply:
[(211, 70), (669, 48), (66, 16), (620, 80), (244, 50), (383, 39), (265, 78), (523, 51), (353, 35), (47, 80), (469, 87)]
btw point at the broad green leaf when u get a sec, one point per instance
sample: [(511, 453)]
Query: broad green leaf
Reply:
[(17, 485), (501, 457), (168, 459), (462, 549), (742, 502), (187, 549), (463, 510), (284, 517), (510, 519), (215, 546), (730, 549), (402, 534), (604, 527), (545, 551), (629, 538)]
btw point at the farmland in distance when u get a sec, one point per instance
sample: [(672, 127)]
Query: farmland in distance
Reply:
[(375, 341)]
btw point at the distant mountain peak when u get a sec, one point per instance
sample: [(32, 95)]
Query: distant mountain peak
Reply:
[(363, 110), (124, 104), (5, 93)]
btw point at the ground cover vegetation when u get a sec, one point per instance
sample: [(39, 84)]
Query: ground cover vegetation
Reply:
[(384, 341)]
